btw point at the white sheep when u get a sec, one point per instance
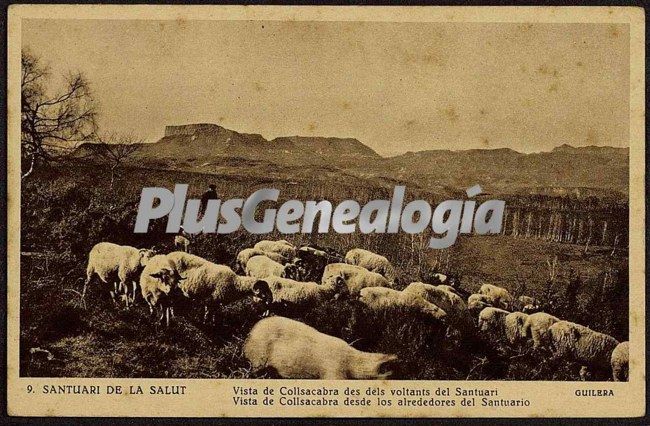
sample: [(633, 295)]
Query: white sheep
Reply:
[(182, 243), (355, 277), (536, 327), (282, 247), (158, 283), (244, 256), (441, 296), (371, 261), (491, 321), (184, 261), (379, 298), (215, 285), (286, 291), (578, 343), (448, 301), (514, 327), (262, 267), (182, 240), (119, 265), (498, 296), (297, 351), (621, 362), (477, 302)]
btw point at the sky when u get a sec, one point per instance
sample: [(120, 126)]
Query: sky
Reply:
[(396, 87)]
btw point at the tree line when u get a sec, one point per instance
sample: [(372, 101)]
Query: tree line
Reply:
[(604, 226)]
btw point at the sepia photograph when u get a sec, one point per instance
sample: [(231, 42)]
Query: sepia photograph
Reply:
[(324, 197)]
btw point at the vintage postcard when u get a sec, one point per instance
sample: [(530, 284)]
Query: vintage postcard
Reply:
[(252, 211)]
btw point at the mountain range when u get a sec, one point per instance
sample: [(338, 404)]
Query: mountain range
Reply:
[(210, 148)]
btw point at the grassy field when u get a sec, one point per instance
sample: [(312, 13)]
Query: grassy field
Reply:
[(66, 210)]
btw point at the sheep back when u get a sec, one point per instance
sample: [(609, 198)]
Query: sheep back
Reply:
[(582, 344), (499, 296), (356, 277), (262, 267), (621, 362), (371, 261), (536, 327), (297, 292), (211, 283), (185, 261), (244, 256), (379, 298), (492, 321), (477, 302), (449, 301), (110, 261), (281, 247), (514, 327), (296, 350)]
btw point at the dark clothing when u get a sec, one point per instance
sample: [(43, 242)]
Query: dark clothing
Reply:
[(210, 194)]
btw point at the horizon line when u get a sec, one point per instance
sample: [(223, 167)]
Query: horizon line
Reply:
[(389, 156)]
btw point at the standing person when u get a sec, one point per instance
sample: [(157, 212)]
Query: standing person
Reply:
[(210, 194)]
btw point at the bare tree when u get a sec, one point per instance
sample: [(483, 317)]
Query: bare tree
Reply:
[(52, 125), (114, 150)]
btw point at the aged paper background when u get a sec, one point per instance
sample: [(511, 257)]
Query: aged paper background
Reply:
[(214, 397)]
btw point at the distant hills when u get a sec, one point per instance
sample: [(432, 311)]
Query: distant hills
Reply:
[(566, 169), (210, 148), (210, 142)]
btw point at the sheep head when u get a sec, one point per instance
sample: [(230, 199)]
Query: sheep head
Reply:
[(477, 302), (435, 312), (340, 288), (145, 255), (168, 278), (262, 292), (374, 297), (373, 366)]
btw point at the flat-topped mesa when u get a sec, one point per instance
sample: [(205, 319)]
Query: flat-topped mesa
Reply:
[(240, 144), (190, 129)]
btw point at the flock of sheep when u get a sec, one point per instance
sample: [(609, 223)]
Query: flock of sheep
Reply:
[(284, 278)]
